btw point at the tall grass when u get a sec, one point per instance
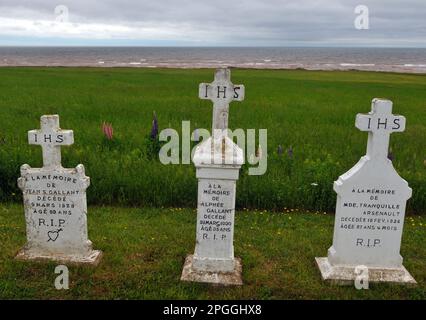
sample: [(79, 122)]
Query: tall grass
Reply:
[(314, 112)]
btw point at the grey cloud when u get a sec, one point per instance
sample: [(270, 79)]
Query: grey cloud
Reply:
[(271, 22)]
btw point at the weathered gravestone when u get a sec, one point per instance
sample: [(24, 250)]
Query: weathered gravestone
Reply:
[(218, 161), (55, 202), (370, 209)]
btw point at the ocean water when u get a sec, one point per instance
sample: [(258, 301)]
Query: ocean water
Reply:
[(410, 60)]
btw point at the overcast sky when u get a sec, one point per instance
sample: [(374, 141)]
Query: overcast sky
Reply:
[(399, 23)]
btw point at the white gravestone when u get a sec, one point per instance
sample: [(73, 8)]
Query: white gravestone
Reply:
[(370, 209), (218, 161), (55, 202)]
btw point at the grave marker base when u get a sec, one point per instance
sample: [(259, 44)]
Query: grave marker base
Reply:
[(91, 259), (345, 274), (233, 278)]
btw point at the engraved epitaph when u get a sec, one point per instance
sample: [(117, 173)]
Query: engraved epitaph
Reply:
[(370, 208), (218, 161), (55, 202)]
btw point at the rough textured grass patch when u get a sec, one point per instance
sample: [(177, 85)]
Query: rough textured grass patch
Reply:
[(311, 111), (144, 251)]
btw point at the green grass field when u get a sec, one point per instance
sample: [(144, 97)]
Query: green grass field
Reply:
[(313, 112), (281, 224), (144, 251)]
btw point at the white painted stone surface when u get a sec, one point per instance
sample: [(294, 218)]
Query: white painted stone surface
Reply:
[(221, 92), (214, 250), (218, 161), (220, 150), (370, 209), (55, 202)]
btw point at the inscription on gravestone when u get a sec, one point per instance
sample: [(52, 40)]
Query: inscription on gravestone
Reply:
[(216, 218), (55, 202), (218, 161), (370, 208), (221, 92)]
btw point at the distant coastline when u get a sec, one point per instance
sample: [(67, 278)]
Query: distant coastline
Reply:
[(402, 60)]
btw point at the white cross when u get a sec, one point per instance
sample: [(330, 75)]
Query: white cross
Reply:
[(221, 91), (51, 138), (379, 123)]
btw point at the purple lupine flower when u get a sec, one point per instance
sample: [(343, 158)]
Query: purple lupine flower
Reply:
[(154, 127), (108, 130), (290, 152), (280, 150)]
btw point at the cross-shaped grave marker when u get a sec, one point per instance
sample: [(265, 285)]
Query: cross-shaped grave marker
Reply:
[(379, 123), (213, 260), (370, 209), (221, 92), (51, 137), (55, 202)]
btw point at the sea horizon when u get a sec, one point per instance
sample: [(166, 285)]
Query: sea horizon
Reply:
[(388, 59)]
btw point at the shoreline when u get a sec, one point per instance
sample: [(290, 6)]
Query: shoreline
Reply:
[(410, 61), (240, 67)]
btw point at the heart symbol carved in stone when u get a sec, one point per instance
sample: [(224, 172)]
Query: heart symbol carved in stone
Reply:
[(53, 235)]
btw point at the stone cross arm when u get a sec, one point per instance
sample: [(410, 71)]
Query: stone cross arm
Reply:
[(51, 137), (221, 92), (380, 123)]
